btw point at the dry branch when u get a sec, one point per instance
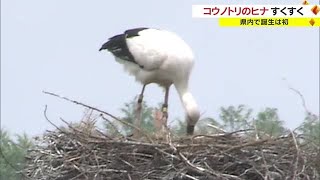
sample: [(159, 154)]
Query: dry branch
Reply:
[(80, 152), (72, 153)]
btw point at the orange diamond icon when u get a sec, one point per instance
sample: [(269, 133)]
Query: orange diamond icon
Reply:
[(305, 2), (315, 9), (312, 21)]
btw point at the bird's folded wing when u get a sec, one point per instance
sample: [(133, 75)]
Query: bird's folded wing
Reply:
[(148, 51)]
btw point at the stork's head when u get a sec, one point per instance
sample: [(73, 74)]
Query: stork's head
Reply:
[(192, 112)]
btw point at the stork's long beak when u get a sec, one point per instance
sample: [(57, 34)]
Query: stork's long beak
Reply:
[(190, 129)]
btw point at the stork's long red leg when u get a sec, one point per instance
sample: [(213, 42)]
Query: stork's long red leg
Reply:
[(137, 121), (165, 107)]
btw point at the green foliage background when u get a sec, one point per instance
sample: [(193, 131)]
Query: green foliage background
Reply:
[(12, 155)]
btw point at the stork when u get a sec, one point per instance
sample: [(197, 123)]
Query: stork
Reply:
[(161, 57)]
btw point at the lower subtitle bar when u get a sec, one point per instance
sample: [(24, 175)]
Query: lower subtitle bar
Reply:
[(269, 22)]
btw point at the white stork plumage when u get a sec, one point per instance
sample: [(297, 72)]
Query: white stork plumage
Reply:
[(161, 57)]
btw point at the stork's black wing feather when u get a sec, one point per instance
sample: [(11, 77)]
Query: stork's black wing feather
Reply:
[(133, 32), (118, 47)]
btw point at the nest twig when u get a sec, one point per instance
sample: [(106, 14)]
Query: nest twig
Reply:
[(83, 152), (79, 153)]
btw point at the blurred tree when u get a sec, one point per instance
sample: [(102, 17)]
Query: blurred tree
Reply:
[(12, 154), (267, 122), (207, 125), (112, 128), (310, 128), (235, 118), (202, 127), (179, 128), (128, 115), (231, 118)]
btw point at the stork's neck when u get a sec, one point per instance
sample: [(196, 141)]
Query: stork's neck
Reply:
[(189, 103)]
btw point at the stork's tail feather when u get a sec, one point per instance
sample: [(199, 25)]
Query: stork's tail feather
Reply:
[(114, 43), (117, 45)]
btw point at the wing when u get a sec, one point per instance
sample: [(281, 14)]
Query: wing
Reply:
[(148, 47), (117, 45)]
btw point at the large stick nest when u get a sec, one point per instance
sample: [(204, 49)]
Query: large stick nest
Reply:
[(83, 152)]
